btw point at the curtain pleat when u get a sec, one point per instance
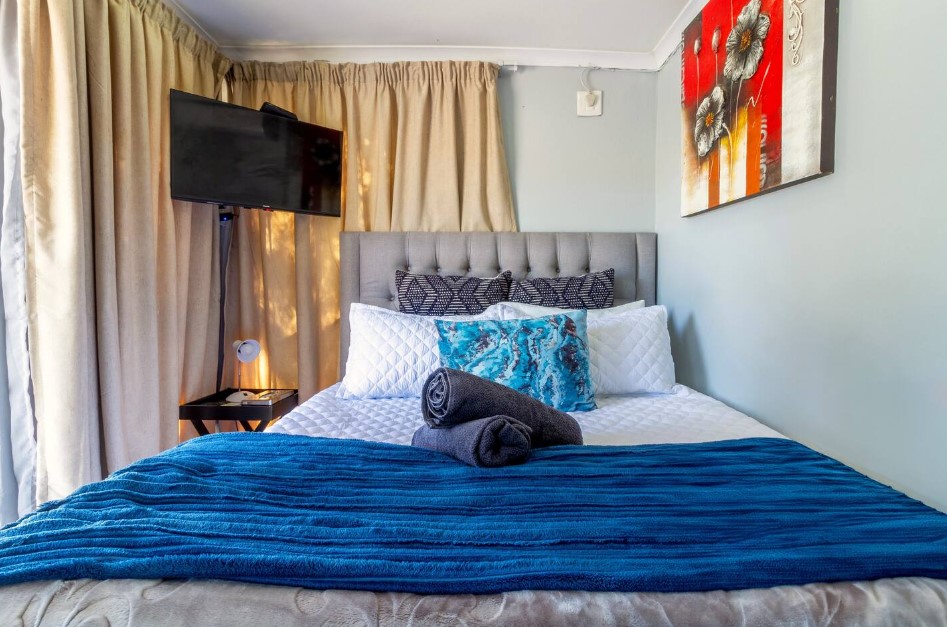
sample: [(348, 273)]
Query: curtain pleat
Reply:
[(122, 283), (17, 433), (423, 152)]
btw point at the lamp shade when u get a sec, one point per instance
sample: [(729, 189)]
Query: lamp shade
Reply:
[(247, 350)]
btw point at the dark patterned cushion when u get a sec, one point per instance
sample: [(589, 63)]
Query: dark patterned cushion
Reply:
[(595, 290), (435, 295)]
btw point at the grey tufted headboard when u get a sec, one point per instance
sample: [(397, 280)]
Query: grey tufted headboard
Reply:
[(369, 261)]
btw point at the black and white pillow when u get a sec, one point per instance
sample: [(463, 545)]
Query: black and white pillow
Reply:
[(595, 290), (435, 295)]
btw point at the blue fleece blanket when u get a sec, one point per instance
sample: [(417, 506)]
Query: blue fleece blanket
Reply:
[(319, 513)]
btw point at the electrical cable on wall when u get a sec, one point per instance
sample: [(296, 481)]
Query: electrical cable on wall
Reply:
[(586, 85)]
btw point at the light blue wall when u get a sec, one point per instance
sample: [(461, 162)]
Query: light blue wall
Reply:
[(822, 309), (579, 174)]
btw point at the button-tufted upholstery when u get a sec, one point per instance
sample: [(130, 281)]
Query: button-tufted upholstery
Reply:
[(369, 261)]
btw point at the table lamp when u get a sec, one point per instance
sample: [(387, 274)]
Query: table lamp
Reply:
[(246, 351)]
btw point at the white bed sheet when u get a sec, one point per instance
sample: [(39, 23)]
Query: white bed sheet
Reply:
[(683, 415)]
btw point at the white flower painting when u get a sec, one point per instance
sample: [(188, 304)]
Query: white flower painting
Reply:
[(758, 98)]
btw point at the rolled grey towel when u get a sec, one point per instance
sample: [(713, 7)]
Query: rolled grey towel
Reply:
[(452, 397), (488, 442)]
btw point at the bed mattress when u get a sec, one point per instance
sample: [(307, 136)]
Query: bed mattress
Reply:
[(682, 416)]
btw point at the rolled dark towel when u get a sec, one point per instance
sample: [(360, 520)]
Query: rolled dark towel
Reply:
[(452, 397), (488, 442)]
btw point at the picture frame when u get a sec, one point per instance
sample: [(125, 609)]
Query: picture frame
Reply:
[(758, 99)]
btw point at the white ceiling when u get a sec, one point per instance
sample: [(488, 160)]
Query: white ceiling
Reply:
[(630, 34)]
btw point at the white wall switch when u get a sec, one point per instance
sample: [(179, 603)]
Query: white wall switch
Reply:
[(588, 103)]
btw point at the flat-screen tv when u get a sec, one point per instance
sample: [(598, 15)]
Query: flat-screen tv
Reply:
[(230, 155)]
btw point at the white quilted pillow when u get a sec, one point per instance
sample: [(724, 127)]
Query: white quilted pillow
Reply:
[(629, 350), (391, 354), (510, 309)]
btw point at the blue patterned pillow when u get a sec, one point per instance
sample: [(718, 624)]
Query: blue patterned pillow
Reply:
[(595, 290), (435, 295), (546, 358)]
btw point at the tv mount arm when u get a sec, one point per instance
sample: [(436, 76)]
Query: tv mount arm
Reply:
[(272, 109)]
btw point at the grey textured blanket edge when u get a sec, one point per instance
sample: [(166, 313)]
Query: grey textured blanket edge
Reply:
[(210, 603)]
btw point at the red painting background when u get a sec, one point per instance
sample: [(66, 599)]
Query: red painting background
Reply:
[(765, 85)]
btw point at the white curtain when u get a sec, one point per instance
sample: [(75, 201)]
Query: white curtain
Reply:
[(17, 439)]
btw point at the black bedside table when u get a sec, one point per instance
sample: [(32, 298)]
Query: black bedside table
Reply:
[(216, 407)]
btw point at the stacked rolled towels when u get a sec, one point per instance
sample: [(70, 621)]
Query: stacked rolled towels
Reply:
[(484, 423)]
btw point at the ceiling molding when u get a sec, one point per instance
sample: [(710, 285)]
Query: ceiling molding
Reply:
[(388, 54), (651, 61), (671, 40)]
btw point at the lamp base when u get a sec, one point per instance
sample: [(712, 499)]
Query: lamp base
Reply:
[(241, 395)]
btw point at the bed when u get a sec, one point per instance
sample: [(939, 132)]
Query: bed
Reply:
[(668, 423)]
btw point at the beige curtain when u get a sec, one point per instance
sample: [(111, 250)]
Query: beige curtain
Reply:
[(122, 284), (424, 152)]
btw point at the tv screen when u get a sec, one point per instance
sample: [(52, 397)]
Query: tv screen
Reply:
[(230, 155)]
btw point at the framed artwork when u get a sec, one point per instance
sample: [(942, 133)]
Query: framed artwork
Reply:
[(757, 98)]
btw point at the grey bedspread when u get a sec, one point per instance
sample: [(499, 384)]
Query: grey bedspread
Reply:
[(160, 603)]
